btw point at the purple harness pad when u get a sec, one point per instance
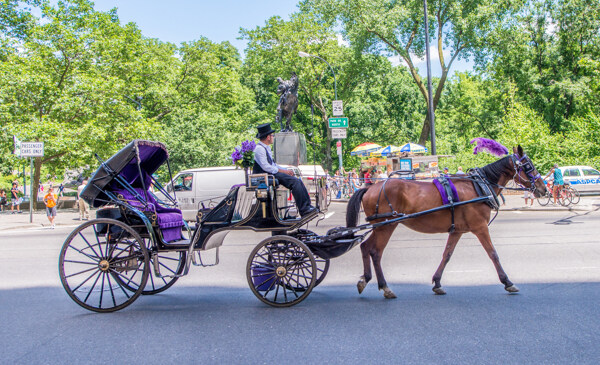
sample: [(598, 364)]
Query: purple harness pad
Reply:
[(443, 192)]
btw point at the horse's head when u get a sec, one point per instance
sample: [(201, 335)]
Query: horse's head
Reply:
[(526, 174)]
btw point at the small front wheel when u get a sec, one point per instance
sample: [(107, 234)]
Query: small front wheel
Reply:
[(281, 271)]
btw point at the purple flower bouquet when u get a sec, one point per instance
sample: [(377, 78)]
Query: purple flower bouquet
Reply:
[(244, 156)]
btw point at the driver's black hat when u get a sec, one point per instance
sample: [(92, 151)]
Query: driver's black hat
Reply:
[(264, 130)]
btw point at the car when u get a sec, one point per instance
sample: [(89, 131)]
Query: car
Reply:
[(583, 178)]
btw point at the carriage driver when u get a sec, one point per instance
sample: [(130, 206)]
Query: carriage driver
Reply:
[(263, 163)]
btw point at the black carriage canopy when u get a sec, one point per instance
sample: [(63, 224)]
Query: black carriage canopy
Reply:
[(139, 155)]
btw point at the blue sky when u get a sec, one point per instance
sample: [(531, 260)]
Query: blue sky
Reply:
[(179, 21)]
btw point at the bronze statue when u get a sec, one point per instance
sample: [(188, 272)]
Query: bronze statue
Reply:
[(288, 101)]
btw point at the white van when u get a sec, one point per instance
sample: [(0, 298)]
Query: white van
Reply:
[(203, 187), (308, 173)]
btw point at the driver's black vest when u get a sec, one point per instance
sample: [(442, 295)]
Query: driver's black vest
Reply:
[(256, 169)]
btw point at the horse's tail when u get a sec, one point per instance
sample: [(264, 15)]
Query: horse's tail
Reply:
[(354, 207)]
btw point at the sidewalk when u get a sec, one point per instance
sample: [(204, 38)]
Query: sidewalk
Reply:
[(64, 217)]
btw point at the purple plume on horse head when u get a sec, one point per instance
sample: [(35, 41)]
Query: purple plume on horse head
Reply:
[(490, 146)]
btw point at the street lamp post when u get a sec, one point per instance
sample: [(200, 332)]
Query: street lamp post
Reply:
[(429, 91), (304, 54)]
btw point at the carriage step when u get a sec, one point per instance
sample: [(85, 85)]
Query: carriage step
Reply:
[(180, 243)]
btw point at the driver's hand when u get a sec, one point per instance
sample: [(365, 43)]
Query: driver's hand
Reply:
[(290, 172)]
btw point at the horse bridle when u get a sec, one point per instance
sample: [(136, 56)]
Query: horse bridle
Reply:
[(525, 165)]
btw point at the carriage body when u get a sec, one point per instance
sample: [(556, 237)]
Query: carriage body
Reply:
[(140, 244)]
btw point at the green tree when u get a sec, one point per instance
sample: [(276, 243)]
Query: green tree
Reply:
[(65, 85), (396, 28)]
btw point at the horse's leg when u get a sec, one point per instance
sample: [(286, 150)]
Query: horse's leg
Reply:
[(365, 248), (381, 237), (450, 246), (486, 242)]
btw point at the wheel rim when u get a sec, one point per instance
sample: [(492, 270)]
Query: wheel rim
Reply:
[(103, 265), (281, 271)]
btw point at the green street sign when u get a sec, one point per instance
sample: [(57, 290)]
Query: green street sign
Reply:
[(338, 122)]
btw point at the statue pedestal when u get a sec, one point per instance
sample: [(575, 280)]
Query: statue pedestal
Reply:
[(289, 148)]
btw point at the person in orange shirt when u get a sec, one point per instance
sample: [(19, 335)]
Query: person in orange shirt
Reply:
[(50, 200)]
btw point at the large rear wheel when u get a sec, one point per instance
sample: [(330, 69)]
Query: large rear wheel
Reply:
[(103, 265), (281, 271)]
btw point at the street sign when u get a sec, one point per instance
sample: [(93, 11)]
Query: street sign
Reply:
[(338, 108), (338, 122), (338, 133), (339, 151), (32, 149)]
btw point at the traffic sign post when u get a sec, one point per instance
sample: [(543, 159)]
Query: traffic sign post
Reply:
[(31, 150)]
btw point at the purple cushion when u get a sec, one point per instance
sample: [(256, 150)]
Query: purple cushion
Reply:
[(170, 220)]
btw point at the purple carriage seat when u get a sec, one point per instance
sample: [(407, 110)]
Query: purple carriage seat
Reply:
[(169, 220)]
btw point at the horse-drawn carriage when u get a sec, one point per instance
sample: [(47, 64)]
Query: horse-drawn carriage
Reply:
[(140, 244)]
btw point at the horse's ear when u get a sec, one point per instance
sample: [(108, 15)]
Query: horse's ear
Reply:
[(520, 151), (280, 80), (515, 150)]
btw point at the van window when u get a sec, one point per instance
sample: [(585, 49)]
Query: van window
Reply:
[(571, 172), (590, 172), (183, 182)]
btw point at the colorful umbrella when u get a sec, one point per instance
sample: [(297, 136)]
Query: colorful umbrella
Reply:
[(385, 151), (364, 149), (413, 148)]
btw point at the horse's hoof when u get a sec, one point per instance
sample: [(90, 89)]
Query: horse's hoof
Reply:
[(388, 294), (439, 291), (512, 289), (361, 285)]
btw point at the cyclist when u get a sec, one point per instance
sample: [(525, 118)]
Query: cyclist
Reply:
[(557, 181)]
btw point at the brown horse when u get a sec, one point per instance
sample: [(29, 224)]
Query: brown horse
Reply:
[(409, 196)]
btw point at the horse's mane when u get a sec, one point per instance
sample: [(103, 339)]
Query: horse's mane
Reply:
[(496, 169)]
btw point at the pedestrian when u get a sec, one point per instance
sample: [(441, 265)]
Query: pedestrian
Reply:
[(446, 172), (15, 200), (84, 207), (528, 194), (3, 200), (368, 181), (460, 171), (61, 187), (50, 200)]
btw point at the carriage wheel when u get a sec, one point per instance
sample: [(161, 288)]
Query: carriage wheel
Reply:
[(281, 271), (322, 264), (170, 263), (103, 265)]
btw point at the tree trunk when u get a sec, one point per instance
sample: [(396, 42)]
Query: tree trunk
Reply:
[(37, 168)]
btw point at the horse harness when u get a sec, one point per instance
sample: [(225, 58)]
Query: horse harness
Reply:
[(449, 196)]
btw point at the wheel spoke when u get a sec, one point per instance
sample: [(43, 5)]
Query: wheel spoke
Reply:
[(81, 272), (89, 245), (93, 286)]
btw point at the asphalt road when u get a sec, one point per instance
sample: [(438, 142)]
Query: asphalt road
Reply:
[(211, 316)]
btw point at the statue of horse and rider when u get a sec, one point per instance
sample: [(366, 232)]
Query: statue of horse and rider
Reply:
[(288, 101)]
